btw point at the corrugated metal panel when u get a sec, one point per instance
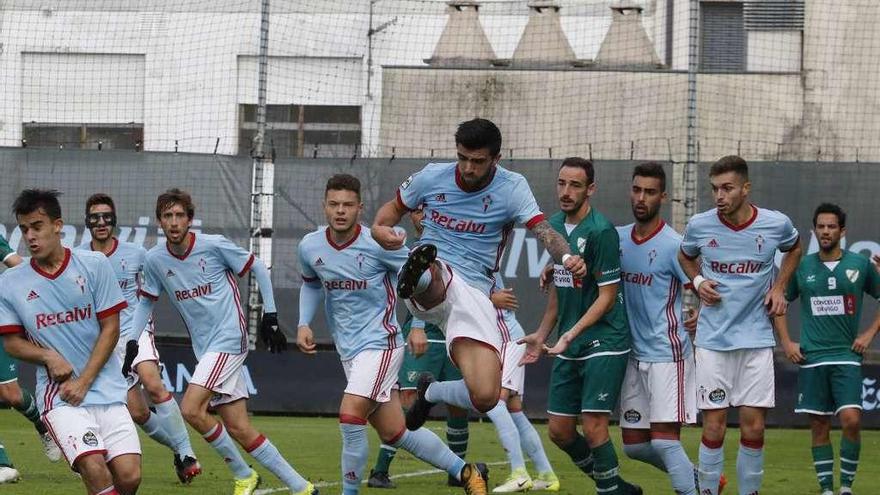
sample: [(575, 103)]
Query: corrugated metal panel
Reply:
[(774, 15), (722, 37)]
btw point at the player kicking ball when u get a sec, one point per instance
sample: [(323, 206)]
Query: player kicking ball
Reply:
[(470, 207), (166, 425), (728, 252), (198, 272), (60, 312), (356, 277), (831, 284)]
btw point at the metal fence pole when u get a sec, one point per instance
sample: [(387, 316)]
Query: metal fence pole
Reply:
[(262, 185), (690, 168)]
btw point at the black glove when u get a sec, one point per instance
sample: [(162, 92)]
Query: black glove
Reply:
[(271, 335), (131, 352)]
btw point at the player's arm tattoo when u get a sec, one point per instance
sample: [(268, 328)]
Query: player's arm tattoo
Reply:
[(555, 244)]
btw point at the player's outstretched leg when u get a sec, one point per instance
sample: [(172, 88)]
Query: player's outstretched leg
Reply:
[(8, 473), (23, 401)]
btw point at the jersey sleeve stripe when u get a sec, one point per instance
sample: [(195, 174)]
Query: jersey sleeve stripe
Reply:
[(10, 329), (146, 294), (112, 310), (609, 282), (241, 321), (8, 256), (794, 243), (535, 220), (401, 202), (686, 255), (247, 266)]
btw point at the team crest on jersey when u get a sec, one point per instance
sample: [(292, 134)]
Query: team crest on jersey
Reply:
[(203, 264), (717, 396), (123, 264), (652, 255), (582, 244), (759, 243), (487, 202), (360, 258), (81, 282), (713, 244), (852, 275), (32, 295), (407, 182)]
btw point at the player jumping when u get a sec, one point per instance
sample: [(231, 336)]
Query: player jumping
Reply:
[(198, 273), (166, 425), (736, 243), (61, 312), (830, 284), (470, 208)]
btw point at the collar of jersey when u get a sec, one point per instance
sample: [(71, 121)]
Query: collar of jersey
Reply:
[(53, 276), (340, 247), (637, 241), (192, 244), (742, 226), (112, 250)]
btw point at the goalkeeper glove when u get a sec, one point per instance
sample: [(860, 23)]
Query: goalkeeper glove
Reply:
[(131, 351), (271, 335)]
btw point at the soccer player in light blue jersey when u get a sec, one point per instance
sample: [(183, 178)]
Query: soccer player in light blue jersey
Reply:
[(728, 252), (356, 278), (60, 311), (198, 272), (470, 207), (165, 425), (659, 393)]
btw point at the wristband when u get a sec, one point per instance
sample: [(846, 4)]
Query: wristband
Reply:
[(699, 279), (565, 257)]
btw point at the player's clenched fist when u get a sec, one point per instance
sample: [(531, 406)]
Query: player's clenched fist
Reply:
[(388, 237), (575, 264), (305, 340), (73, 391), (58, 368), (706, 290)]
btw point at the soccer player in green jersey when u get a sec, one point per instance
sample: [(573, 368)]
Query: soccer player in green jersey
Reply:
[(830, 284), (594, 340), (12, 394)]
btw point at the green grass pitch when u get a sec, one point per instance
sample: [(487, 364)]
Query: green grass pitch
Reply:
[(312, 445)]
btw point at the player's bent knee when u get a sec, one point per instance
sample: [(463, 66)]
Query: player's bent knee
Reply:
[(128, 480), (561, 435)]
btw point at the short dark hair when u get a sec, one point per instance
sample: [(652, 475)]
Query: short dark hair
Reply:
[(653, 170), (730, 163), (343, 182), (100, 199), (478, 133), (834, 210), (173, 197), (31, 200), (581, 163)]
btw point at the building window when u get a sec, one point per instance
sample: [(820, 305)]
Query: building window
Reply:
[(84, 136), (723, 45), (297, 131)]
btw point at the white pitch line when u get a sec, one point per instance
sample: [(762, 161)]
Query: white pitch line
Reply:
[(413, 474)]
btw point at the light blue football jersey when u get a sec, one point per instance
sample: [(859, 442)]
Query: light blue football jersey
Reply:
[(470, 229), (202, 285), (127, 260), (62, 312), (652, 285), (508, 324), (359, 280), (741, 259)]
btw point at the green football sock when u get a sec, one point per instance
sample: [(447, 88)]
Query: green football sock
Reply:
[(28, 409), (386, 455), (606, 470), (4, 459), (823, 462), (580, 454), (457, 435), (849, 461)]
